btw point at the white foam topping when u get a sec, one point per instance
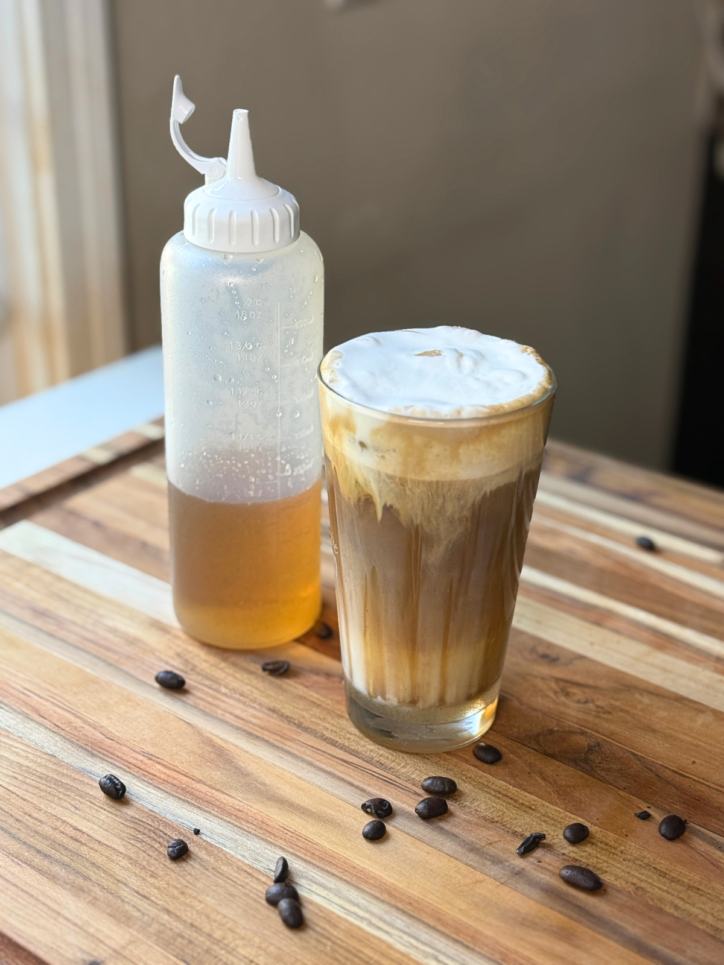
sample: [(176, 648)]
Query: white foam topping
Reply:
[(444, 372)]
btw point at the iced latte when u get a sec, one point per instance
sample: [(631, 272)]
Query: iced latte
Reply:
[(433, 440)]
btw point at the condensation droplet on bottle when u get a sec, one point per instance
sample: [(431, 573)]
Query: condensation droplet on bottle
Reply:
[(316, 278), (209, 402), (218, 378), (230, 380), (274, 378), (279, 413), (227, 256), (248, 346), (296, 414)]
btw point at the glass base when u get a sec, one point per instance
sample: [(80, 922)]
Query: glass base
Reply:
[(416, 731)]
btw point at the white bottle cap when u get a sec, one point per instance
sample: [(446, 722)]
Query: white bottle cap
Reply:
[(235, 210)]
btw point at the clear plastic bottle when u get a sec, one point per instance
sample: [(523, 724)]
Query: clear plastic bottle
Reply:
[(242, 310)]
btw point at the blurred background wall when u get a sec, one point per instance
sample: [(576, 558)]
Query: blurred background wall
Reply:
[(529, 169)]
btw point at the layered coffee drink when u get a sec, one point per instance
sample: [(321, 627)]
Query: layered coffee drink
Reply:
[(434, 440)]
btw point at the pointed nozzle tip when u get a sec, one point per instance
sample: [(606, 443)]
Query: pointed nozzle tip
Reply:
[(241, 155)]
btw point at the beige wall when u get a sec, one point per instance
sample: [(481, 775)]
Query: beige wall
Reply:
[(528, 168)]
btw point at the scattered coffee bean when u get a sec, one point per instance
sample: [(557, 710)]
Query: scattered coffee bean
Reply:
[(431, 807), (374, 830), (290, 912), (323, 630), (177, 849), (275, 667), (197, 830), (170, 680), (275, 893), (378, 807), (530, 843), (672, 827), (642, 815), (112, 786), (487, 753), (575, 833), (579, 877), (646, 543), (443, 786), (281, 870)]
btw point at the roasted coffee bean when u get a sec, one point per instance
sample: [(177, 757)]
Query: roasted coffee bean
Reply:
[(275, 893), (177, 849), (281, 870), (111, 786), (275, 667), (290, 912), (579, 877), (443, 786), (431, 807), (646, 543), (378, 807), (672, 827), (170, 680), (374, 830), (575, 833), (323, 630), (530, 843), (487, 753), (197, 830), (642, 815)]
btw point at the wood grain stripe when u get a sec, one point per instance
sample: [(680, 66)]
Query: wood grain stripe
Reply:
[(88, 568), (628, 527), (546, 581), (653, 561), (616, 650)]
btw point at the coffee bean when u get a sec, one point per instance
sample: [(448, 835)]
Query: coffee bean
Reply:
[(439, 785), (378, 807), (646, 543), (642, 815), (672, 827), (575, 833), (487, 753), (177, 849), (275, 667), (290, 912), (197, 830), (323, 630), (282, 889), (431, 807), (111, 786), (281, 870), (579, 877), (170, 680), (374, 830), (530, 843)]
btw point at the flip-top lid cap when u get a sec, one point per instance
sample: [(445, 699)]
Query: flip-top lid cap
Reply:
[(235, 210)]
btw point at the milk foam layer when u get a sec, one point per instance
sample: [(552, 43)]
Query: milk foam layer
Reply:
[(444, 373)]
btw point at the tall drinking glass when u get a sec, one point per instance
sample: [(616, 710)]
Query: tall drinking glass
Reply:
[(429, 519)]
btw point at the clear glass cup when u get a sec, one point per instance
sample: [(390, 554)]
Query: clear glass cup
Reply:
[(429, 520)]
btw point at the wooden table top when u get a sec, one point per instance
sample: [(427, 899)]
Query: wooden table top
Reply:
[(613, 701)]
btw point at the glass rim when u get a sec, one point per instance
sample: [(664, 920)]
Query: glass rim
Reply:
[(458, 421)]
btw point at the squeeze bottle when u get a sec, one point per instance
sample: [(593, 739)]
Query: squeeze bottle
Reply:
[(242, 306)]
